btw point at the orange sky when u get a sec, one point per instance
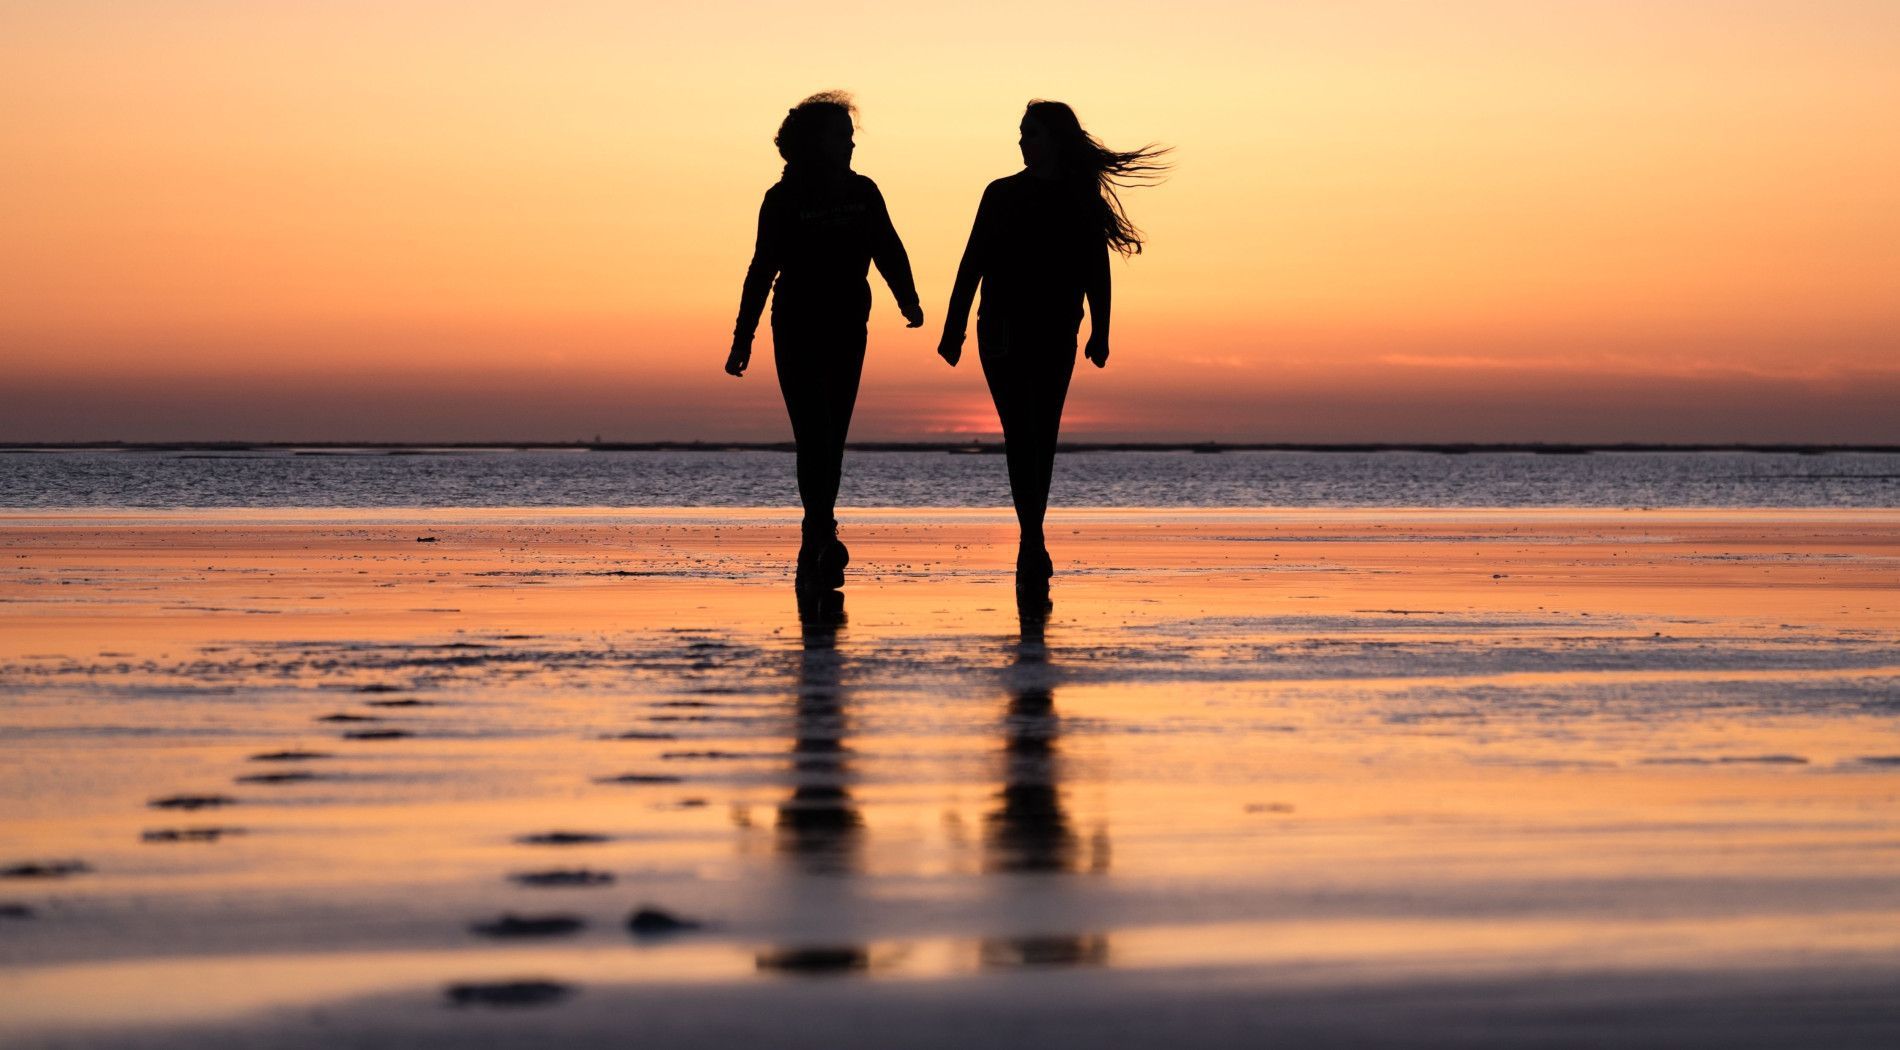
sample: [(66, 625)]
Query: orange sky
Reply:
[(400, 220)]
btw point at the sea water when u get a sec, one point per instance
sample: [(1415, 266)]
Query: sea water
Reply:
[(60, 479)]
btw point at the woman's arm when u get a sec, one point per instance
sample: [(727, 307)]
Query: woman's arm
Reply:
[(1100, 295), (894, 263), (956, 317), (758, 283)]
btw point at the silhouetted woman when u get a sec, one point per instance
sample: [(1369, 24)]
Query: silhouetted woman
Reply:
[(1040, 246), (819, 229)]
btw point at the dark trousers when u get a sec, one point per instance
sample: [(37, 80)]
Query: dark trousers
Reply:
[(1028, 368), (819, 365)]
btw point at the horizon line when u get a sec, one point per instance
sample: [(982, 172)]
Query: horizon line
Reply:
[(972, 446)]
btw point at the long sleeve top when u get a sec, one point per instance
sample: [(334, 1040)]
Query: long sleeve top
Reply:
[(1038, 252), (817, 238), (1037, 248)]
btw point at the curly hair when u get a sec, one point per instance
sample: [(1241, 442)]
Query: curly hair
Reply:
[(797, 138)]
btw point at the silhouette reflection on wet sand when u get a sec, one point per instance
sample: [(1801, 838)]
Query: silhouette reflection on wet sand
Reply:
[(819, 826), (820, 831), (1030, 831)]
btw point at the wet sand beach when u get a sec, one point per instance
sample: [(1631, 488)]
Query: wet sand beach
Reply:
[(503, 778)]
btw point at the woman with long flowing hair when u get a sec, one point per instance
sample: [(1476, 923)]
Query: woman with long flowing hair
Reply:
[(1039, 248), (820, 228)]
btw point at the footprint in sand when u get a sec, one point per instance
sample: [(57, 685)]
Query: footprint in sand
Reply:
[(48, 869), (298, 777), (508, 993), (815, 960), (188, 834), (192, 802), (562, 838), (291, 756), (647, 921), (512, 925), (561, 877)]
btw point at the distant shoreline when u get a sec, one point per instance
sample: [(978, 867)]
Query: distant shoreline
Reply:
[(948, 447)]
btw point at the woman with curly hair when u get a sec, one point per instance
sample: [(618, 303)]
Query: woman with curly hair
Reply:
[(820, 228)]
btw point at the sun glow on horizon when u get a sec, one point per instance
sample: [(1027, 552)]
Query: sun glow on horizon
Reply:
[(1477, 220)]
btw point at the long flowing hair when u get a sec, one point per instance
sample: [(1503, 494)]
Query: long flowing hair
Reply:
[(1099, 172), (798, 133)]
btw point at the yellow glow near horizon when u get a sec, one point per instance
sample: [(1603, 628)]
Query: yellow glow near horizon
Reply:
[(1485, 220)]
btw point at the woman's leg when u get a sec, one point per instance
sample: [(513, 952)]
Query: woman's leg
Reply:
[(1007, 395), (1050, 386), (1042, 416), (818, 372), (839, 396), (1029, 386)]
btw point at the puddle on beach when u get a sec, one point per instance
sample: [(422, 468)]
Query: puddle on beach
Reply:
[(252, 765)]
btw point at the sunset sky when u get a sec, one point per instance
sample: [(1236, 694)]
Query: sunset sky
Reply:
[(1595, 220)]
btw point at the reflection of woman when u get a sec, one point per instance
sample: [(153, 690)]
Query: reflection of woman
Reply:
[(819, 825), (819, 229), (820, 831), (1040, 246), (1029, 832)]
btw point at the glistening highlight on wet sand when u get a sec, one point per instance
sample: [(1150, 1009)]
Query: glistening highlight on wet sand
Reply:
[(1380, 778)]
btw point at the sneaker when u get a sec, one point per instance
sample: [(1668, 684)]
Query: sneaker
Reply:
[(1033, 565), (832, 558), (809, 572)]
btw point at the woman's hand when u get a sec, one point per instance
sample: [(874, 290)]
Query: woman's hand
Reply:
[(950, 347), (740, 357), (1097, 350), (913, 316)]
